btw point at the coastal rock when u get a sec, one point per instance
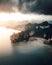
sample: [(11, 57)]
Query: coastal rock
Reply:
[(33, 30), (22, 36), (49, 42), (14, 37), (18, 37)]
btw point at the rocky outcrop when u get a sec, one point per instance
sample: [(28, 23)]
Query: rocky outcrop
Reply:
[(32, 30), (49, 42), (17, 37)]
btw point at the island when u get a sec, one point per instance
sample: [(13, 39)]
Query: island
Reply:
[(33, 31)]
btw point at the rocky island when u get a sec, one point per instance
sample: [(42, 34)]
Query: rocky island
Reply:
[(33, 31)]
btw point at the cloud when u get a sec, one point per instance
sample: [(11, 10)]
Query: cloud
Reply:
[(11, 2), (30, 6), (38, 6), (7, 5)]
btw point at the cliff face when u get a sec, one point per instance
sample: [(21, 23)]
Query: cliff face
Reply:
[(42, 30), (17, 37)]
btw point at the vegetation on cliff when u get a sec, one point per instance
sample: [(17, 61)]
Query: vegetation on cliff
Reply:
[(41, 30)]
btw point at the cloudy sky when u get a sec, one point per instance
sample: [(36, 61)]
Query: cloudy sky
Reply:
[(19, 10), (25, 6)]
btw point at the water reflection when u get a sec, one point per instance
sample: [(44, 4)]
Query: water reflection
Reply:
[(5, 44)]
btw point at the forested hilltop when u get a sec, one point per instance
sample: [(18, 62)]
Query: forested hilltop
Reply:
[(40, 30)]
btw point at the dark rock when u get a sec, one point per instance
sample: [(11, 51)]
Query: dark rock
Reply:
[(32, 30), (49, 42)]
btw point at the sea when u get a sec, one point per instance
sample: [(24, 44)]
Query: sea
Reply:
[(23, 53)]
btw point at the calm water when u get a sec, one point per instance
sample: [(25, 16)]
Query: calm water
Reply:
[(24, 53)]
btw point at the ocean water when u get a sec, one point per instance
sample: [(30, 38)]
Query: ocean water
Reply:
[(24, 53)]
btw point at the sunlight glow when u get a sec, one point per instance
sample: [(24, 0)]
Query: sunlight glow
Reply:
[(5, 44), (16, 17), (4, 17), (4, 31)]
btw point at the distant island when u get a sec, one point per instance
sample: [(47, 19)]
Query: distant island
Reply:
[(33, 30)]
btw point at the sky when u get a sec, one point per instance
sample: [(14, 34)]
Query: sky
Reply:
[(22, 10)]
